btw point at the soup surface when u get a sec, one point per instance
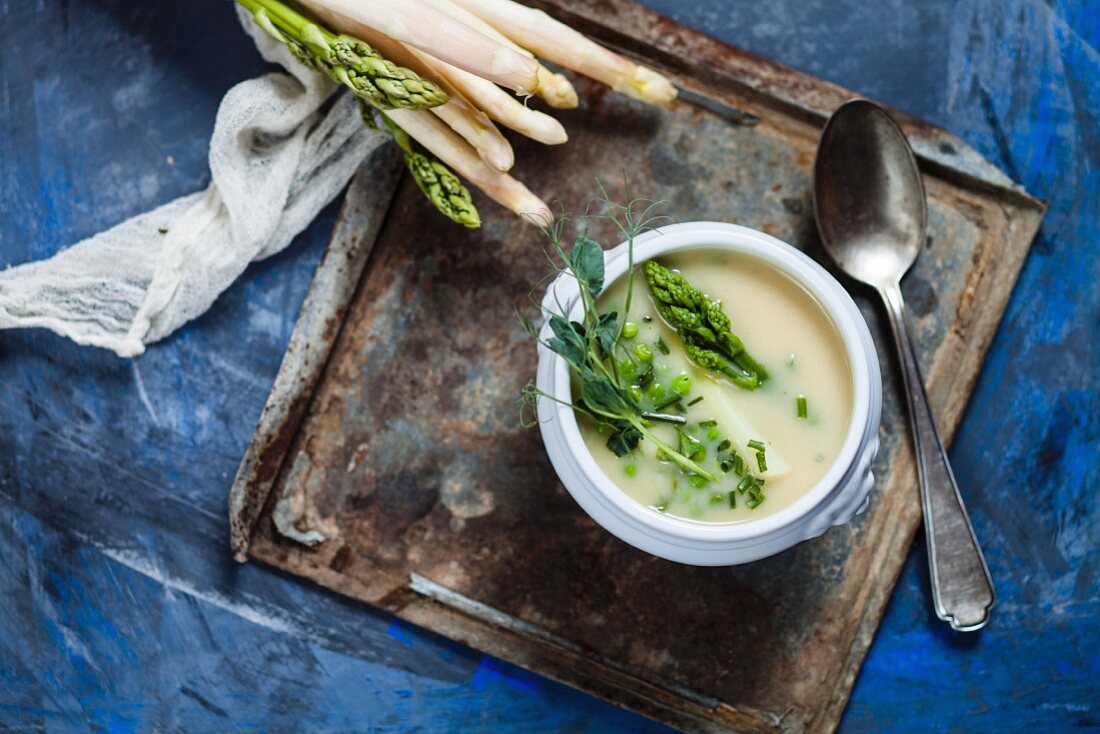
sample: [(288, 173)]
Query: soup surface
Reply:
[(785, 329)]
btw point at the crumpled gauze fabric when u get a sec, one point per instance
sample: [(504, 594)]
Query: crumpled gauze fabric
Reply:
[(281, 150)]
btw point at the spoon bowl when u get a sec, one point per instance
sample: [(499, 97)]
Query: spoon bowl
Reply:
[(868, 197)]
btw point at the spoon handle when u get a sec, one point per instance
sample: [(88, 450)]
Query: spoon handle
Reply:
[(962, 588)]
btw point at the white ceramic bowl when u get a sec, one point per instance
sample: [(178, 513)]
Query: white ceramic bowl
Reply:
[(835, 500)]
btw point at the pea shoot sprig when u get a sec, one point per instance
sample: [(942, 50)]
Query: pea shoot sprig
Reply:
[(590, 346)]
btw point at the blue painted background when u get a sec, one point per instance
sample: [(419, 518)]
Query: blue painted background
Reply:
[(119, 606)]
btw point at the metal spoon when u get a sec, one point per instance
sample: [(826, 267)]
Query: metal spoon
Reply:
[(870, 209)]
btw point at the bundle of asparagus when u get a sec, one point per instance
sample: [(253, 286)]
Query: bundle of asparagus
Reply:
[(431, 72)]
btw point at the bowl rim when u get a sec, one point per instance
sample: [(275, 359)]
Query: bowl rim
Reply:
[(829, 294)]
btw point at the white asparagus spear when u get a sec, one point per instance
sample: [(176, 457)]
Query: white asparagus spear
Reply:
[(458, 112), (498, 104), (430, 132), (557, 42), (716, 396), (555, 89), (418, 24)]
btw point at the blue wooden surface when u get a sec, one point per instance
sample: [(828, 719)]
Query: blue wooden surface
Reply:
[(119, 607)]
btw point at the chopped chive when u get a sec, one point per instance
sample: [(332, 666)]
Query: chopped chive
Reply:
[(646, 377), (662, 347), (724, 445), (757, 445), (753, 502), (664, 418), (672, 399), (708, 423), (726, 466), (716, 499), (733, 499), (745, 483), (697, 481), (696, 400), (800, 401), (738, 465), (761, 462)]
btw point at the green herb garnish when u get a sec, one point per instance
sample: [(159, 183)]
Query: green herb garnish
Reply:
[(800, 403), (756, 445), (702, 326), (588, 346), (695, 401)]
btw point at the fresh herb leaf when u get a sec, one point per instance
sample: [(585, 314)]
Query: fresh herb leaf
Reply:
[(567, 342), (607, 330), (624, 441), (601, 395), (586, 262)]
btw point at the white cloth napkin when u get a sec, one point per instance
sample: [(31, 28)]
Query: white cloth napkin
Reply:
[(281, 150)]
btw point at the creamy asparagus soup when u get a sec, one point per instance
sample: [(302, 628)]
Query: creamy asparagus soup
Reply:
[(740, 380)]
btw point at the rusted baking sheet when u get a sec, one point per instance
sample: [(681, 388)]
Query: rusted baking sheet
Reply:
[(399, 442)]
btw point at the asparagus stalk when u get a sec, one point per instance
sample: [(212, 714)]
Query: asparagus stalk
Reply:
[(436, 181), (467, 120), (703, 327), (455, 152), (497, 104), (555, 89), (557, 42), (346, 60), (418, 24)]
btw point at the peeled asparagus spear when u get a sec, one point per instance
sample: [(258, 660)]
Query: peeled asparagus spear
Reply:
[(345, 60), (498, 104), (467, 120), (442, 142), (555, 89), (436, 181), (418, 24), (557, 42)]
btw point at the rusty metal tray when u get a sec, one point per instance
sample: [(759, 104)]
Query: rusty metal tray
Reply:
[(392, 431)]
